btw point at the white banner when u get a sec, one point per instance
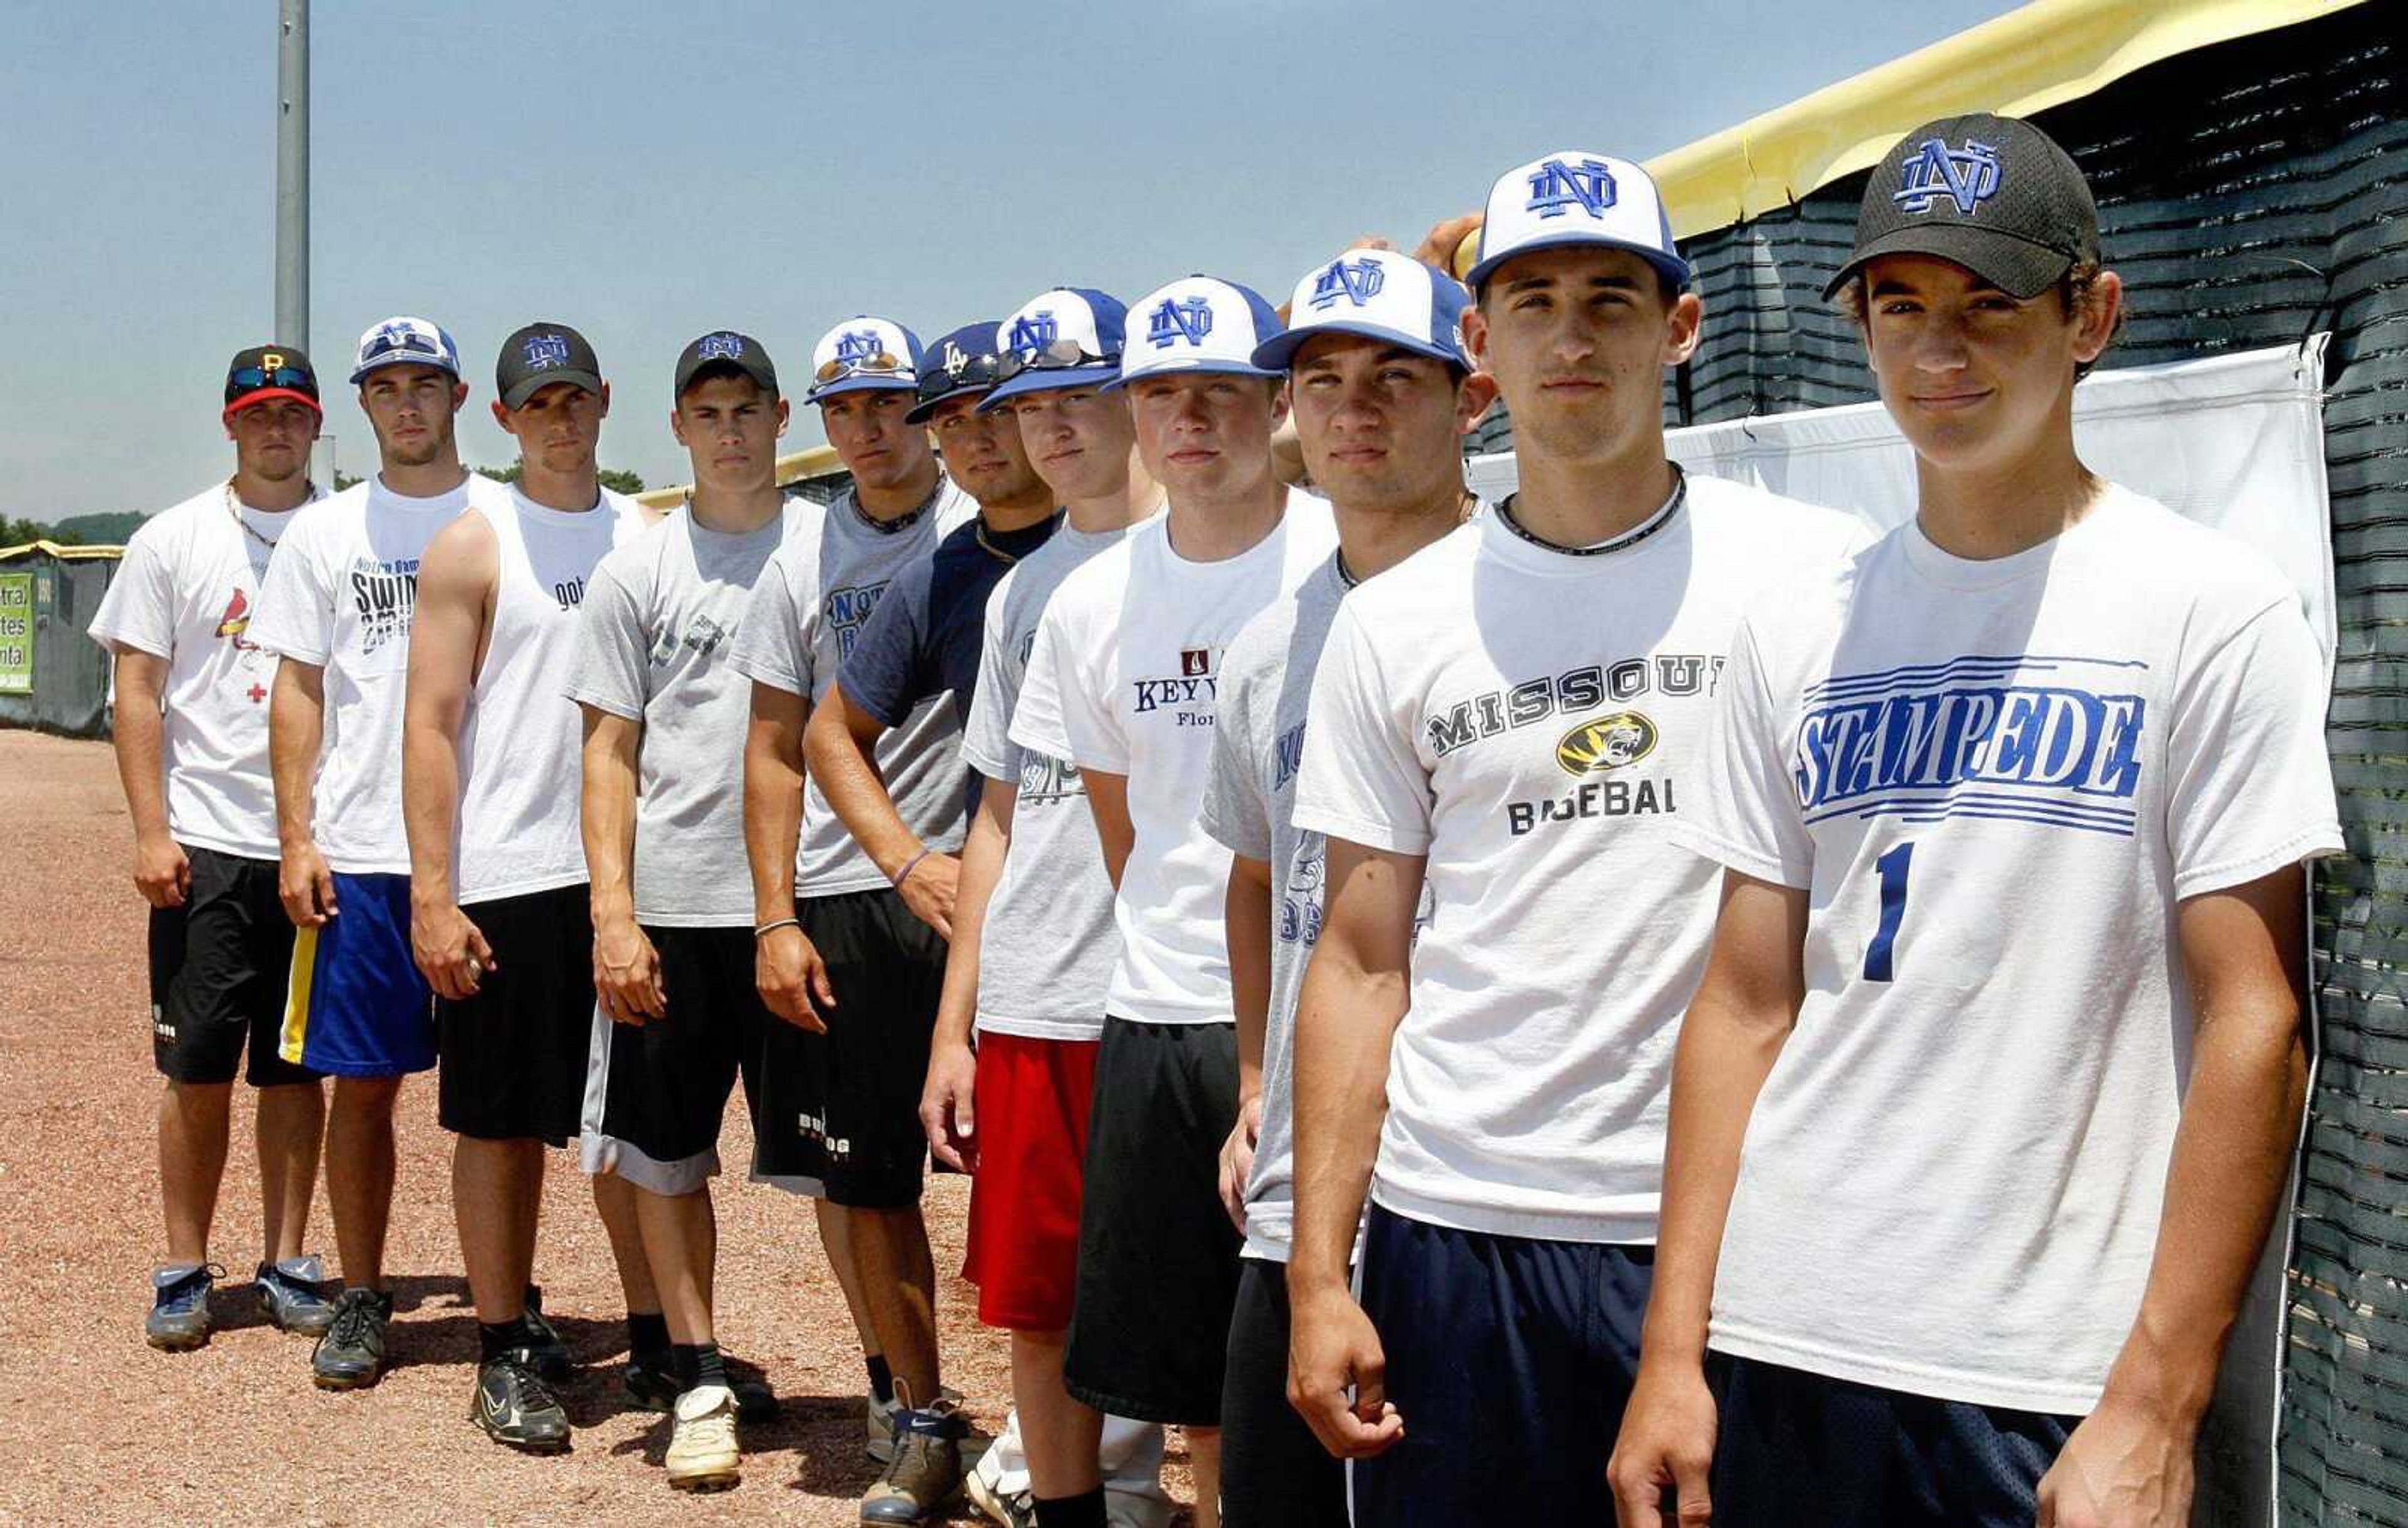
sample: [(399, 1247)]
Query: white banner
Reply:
[(2234, 441)]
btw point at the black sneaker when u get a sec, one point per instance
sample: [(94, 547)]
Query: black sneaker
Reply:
[(514, 1406), (653, 1386), (548, 1351), (351, 1353)]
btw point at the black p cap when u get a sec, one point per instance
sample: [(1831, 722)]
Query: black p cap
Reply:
[(1995, 194)]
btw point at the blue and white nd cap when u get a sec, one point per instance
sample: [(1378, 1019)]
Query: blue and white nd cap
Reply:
[(1574, 197), (404, 340), (1380, 295), (1069, 336), (1198, 324), (865, 354)]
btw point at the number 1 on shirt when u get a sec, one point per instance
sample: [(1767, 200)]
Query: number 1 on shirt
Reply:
[(1893, 868)]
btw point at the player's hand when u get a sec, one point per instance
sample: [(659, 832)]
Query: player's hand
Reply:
[(929, 891), (161, 871), (1666, 1444), (449, 949), (2128, 1465), (1332, 1349), (949, 1106), (1445, 237), (788, 970), (1238, 1159), (305, 886), (627, 972)]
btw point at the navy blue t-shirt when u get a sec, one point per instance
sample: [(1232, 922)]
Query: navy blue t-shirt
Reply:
[(926, 636)]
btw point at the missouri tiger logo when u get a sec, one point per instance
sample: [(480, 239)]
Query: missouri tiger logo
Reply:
[(1606, 742)]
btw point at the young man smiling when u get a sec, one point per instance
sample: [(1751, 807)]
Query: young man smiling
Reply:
[(847, 1044), (499, 920), (338, 607), (1507, 726), (191, 737), (1965, 1220), (663, 822), (1381, 392), (1121, 683)]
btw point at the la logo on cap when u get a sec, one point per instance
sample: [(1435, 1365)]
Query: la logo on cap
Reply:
[(1557, 187), (1189, 319), (1967, 177), (1357, 280)]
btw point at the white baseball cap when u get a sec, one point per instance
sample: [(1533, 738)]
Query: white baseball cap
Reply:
[(404, 340), (1574, 197), (1198, 324), (1069, 336), (1378, 293), (865, 354)]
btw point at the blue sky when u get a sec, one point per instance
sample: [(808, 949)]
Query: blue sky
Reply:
[(649, 171)]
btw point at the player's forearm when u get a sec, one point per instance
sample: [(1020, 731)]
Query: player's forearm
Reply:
[(982, 854), (430, 794), (2231, 1158), (1107, 801), (137, 732), (606, 821), (1346, 1019), (1726, 1052), (773, 804), (842, 758), (1247, 919), (296, 727)]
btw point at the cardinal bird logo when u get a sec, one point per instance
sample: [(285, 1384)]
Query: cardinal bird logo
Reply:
[(237, 619)]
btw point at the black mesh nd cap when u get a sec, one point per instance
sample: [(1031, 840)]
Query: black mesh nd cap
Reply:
[(540, 355), (1995, 194), (724, 347)]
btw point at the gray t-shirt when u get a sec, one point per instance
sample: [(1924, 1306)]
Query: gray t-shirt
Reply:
[(1045, 959), (810, 606), (1249, 806), (655, 635)]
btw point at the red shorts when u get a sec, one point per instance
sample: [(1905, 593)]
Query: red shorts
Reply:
[(1023, 1249)]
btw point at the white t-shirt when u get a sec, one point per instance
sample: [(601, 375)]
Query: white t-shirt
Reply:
[(522, 741), (1122, 679), (186, 592), (1047, 949), (1996, 779), (1532, 721), (342, 595), (811, 604)]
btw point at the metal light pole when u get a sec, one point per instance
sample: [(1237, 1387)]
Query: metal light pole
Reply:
[(293, 191)]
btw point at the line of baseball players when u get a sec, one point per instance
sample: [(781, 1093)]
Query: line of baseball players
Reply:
[(1423, 984)]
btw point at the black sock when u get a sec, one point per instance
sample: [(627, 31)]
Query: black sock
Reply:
[(882, 1379), (648, 1335), (494, 1338), (1084, 1510), (535, 1297), (698, 1364)]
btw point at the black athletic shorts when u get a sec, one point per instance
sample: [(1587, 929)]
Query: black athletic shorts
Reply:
[(219, 965), (664, 1084), (513, 1056), (1274, 1473), (848, 1103), (1157, 1255)]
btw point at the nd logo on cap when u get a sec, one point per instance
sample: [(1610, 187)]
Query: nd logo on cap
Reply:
[(1357, 281), (1201, 323), (1557, 187), (544, 351), (1967, 177), (1189, 319)]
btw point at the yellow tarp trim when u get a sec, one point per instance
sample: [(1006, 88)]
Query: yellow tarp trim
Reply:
[(2046, 54), (66, 553), (818, 462)]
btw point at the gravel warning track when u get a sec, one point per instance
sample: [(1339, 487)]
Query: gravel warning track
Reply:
[(95, 1427)]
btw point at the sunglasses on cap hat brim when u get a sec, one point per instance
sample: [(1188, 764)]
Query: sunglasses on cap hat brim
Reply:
[(880, 363)]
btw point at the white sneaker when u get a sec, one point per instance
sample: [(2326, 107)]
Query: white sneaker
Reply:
[(702, 1447)]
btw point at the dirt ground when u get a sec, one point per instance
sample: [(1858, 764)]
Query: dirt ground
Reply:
[(97, 1427)]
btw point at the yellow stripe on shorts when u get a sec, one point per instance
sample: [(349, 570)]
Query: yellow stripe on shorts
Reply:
[(297, 995)]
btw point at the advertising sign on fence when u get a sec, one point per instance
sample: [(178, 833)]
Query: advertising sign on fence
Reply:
[(16, 633)]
